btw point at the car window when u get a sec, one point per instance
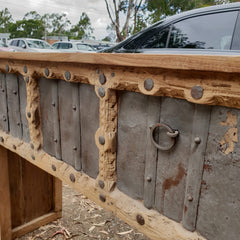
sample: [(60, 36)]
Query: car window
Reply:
[(84, 47), (55, 45), (65, 46), (21, 43), (14, 42), (213, 31)]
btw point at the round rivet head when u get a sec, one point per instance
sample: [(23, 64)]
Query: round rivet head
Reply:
[(197, 92), (33, 157), (46, 71), (14, 147), (190, 198), (101, 92), (102, 79), (149, 179), (72, 177), (101, 184), (102, 198), (25, 69), (55, 140), (53, 104), (75, 148), (197, 140), (14, 92), (29, 114), (4, 118), (7, 68), (54, 168), (67, 75), (140, 219), (148, 84), (74, 108), (1, 139), (101, 140)]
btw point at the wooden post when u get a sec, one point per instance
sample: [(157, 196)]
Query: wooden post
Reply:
[(5, 203)]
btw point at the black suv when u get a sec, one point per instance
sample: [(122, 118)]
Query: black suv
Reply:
[(215, 28)]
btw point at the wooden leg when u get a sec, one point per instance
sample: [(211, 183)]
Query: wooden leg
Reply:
[(5, 203)]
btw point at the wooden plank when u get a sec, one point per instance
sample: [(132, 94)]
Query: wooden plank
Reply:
[(3, 104), (34, 224), (14, 105), (57, 195), (219, 210), (23, 105), (132, 132), (68, 94), (200, 127), (16, 186), (5, 203), (50, 117), (89, 120), (172, 165), (153, 116)]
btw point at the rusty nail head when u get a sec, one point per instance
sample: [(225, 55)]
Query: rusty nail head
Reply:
[(7, 68), (25, 69), (14, 147), (54, 168), (1, 139), (101, 184), (75, 148), (101, 140), (74, 108), (197, 92), (190, 198), (55, 140), (32, 146), (102, 197), (33, 157), (148, 84), (72, 177), (67, 75), (27, 79), (102, 78), (197, 140), (53, 104), (149, 179), (18, 123), (46, 71), (29, 114), (101, 92), (15, 92), (140, 219)]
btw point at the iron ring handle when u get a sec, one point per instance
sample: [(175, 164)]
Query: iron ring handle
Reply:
[(170, 132)]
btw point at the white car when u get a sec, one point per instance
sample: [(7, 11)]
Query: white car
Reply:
[(30, 45), (72, 47)]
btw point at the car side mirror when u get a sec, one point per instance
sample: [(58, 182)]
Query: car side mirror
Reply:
[(24, 46)]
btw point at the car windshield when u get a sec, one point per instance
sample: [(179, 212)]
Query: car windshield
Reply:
[(2, 44), (38, 44), (84, 47)]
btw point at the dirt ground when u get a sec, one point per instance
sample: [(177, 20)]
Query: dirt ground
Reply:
[(82, 219)]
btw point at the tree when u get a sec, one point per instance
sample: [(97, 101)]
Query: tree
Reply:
[(5, 20), (83, 28), (118, 8)]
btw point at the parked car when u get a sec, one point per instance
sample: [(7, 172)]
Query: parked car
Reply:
[(4, 47), (30, 45), (73, 47), (215, 28)]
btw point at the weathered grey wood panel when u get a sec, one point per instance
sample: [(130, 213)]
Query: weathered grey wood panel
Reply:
[(172, 164), (50, 116), (219, 206), (3, 104), (200, 127), (89, 115), (23, 105), (14, 105), (68, 94)]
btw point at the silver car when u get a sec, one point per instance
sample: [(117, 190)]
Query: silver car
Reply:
[(30, 45), (72, 47)]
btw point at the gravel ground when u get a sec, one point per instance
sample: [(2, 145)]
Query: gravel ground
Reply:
[(82, 219)]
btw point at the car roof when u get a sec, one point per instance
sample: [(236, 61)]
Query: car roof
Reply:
[(35, 39)]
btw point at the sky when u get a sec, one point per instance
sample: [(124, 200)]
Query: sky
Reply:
[(95, 9)]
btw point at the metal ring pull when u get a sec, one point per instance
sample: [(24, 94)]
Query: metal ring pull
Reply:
[(170, 132)]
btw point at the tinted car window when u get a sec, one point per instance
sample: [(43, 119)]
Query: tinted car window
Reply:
[(21, 43), (213, 31), (65, 45), (14, 43)]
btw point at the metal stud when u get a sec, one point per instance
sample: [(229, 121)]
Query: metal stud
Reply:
[(101, 140), (140, 219), (25, 69), (102, 197), (74, 108), (4, 118), (197, 140), (197, 92), (148, 84), (15, 92), (149, 179), (1, 139), (33, 157), (27, 79), (102, 79), (55, 140), (72, 177), (67, 75), (46, 71), (101, 184), (54, 168), (113, 74), (190, 198), (75, 148), (14, 147), (101, 92), (3, 90), (53, 104), (18, 123), (7, 68), (29, 114)]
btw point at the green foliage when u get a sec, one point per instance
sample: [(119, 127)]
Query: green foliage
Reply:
[(5, 20)]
